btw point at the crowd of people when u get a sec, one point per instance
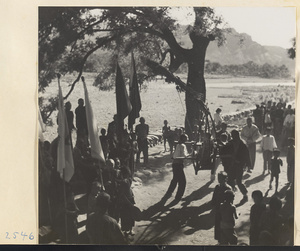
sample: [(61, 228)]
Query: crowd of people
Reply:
[(266, 224), (236, 151), (107, 185), (279, 116), (110, 204)]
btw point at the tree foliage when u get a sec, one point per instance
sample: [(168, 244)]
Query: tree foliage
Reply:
[(292, 51), (67, 36), (250, 69)]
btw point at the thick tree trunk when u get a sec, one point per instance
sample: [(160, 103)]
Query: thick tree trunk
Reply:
[(197, 82)]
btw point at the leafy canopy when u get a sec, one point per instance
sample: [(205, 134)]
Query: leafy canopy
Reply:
[(69, 36)]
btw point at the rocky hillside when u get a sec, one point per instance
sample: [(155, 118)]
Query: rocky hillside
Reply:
[(240, 49)]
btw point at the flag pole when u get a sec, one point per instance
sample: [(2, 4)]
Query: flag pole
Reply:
[(42, 163), (65, 205), (64, 186)]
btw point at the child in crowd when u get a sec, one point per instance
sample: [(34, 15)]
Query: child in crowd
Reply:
[(173, 136), (268, 144), (224, 155), (276, 162), (217, 200), (228, 216), (290, 159), (255, 215), (165, 131)]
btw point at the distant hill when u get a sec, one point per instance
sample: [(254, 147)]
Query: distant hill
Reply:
[(240, 49)]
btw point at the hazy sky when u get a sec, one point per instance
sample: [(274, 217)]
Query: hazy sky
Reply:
[(266, 25)]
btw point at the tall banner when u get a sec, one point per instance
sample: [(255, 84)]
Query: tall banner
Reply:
[(65, 164), (96, 148), (134, 95), (123, 103)]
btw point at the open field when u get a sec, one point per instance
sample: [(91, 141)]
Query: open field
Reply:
[(161, 101)]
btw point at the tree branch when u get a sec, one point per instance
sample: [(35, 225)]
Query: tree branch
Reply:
[(179, 51), (160, 70), (105, 41)]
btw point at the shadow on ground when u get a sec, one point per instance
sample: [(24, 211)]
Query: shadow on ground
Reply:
[(198, 194), (255, 180), (167, 226), (168, 223)]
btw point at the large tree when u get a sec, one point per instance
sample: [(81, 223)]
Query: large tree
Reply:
[(68, 36)]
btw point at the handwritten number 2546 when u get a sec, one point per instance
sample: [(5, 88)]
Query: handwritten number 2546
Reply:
[(16, 234)]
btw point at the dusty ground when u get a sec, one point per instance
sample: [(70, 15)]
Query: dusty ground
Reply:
[(191, 221)]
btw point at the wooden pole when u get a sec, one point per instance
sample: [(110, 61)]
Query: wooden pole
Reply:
[(65, 205), (41, 169), (64, 182)]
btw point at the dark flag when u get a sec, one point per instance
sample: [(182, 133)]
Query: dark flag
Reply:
[(123, 103), (134, 96)]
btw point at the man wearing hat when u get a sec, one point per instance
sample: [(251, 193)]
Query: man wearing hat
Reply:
[(101, 228)]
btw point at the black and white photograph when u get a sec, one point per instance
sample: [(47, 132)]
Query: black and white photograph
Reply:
[(166, 125)]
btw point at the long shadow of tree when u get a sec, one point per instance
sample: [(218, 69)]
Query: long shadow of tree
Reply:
[(198, 194), (167, 224)]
